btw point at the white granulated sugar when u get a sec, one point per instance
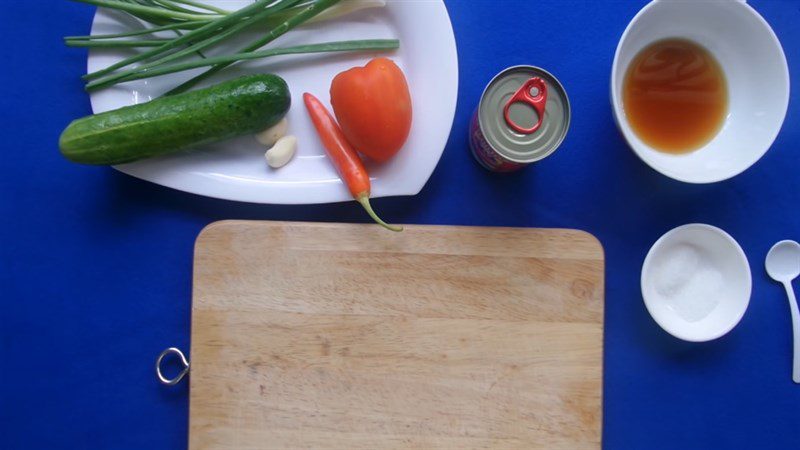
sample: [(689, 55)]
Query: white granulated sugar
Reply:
[(689, 282)]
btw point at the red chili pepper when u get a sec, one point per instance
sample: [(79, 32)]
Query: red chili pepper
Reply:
[(344, 157)]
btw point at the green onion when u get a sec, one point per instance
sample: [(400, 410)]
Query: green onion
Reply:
[(116, 43), (203, 6), (138, 8), (174, 6), (192, 36), (338, 10), (107, 81), (306, 14), (150, 18), (339, 46), (174, 26), (205, 26)]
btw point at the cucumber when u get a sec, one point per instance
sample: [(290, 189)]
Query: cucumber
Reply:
[(168, 124)]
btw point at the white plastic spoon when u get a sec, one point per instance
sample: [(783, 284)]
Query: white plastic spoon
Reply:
[(783, 265)]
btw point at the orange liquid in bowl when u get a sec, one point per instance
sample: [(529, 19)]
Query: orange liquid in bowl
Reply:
[(675, 96)]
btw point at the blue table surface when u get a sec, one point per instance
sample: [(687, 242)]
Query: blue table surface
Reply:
[(95, 266)]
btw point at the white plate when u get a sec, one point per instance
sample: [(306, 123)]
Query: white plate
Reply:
[(236, 169)]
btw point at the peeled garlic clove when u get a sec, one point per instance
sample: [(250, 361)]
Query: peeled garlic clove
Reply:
[(271, 135), (282, 152)]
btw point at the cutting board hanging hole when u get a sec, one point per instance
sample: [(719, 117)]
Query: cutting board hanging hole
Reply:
[(181, 360)]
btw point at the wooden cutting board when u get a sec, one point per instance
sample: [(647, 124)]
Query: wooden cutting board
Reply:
[(336, 336)]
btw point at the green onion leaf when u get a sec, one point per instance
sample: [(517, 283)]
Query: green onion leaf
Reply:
[(339, 46)]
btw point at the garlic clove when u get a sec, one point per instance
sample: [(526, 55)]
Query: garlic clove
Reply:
[(271, 135), (282, 152)]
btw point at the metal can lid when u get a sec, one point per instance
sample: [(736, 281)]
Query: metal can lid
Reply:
[(509, 115)]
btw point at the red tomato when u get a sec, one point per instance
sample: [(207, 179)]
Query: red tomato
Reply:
[(373, 106)]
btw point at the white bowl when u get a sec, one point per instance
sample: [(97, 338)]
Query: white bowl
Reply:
[(696, 282), (755, 68)]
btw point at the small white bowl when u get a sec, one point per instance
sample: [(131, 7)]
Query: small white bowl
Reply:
[(755, 69), (696, 282)]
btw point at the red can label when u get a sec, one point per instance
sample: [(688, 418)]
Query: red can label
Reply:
[(484, 153)]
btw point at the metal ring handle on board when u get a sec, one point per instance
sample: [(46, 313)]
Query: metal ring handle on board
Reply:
[(177, 378)]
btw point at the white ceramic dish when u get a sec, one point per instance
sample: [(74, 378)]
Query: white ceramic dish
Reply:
[(236, 170), (724, 290), (755, 68)]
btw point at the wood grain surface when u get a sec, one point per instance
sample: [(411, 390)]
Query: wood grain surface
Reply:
[(344, 336)]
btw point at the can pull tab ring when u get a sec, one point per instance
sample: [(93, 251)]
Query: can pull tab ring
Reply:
[(537, 100)]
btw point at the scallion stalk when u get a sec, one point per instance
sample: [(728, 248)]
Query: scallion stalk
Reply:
[(117, 43), (192, 36), (142, 9), (203, 6), (206, 26), (304, 15), (174, 26), (339, 46), (196, 47)]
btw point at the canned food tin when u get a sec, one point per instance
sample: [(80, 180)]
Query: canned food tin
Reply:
[(523, 116)]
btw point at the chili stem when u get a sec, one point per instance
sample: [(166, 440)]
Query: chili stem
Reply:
[(364, 200)]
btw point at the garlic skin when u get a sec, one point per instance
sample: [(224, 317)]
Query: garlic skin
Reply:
[(271, 135), (282, 152)]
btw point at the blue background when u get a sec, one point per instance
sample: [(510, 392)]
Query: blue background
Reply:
[(95, 266)]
